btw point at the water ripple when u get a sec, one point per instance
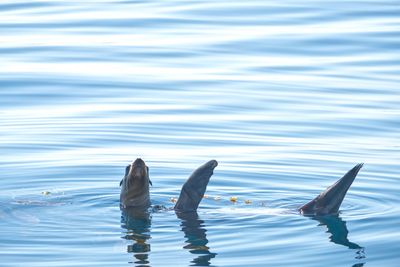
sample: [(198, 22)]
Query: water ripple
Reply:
[(286, 96)]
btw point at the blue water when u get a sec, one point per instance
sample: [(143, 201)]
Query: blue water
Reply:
[(286, 95)]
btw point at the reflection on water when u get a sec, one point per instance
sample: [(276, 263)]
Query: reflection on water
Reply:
[(137, 222), (196, 238), (284, 94), (339, 233)]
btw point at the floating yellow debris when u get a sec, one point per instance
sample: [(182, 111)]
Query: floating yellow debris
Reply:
[(217, 198), (173, 199), (247, 201), (46, 193), (233, 199), (205, 196)]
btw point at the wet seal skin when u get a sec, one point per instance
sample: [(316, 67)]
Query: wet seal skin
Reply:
[(329, 201)]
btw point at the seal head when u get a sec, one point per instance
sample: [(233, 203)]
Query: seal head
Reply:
[(135, 186)]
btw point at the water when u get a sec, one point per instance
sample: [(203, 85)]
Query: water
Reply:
[(287, 96)]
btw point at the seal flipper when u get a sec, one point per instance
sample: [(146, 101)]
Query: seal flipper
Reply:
[(328, 202), (127, 168), (193, 190)]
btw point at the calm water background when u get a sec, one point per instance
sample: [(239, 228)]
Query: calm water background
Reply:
[(286, 95)]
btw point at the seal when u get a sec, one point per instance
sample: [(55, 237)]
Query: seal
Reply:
[(135, 191), (135, 186)]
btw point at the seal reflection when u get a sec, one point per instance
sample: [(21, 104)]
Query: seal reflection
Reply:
[(137, 223), (196, 238), (336, 226)]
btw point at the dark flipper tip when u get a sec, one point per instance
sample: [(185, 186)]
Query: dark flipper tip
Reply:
[(357, 167)]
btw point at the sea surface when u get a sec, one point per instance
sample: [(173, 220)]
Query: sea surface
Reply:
[(286, 95)]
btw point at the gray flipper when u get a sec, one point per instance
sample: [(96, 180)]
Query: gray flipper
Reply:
[(328, 202), (126, 173), (193, 190)]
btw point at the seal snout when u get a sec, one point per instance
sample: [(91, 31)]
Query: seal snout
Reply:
[(138, 168), (138, 162)]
